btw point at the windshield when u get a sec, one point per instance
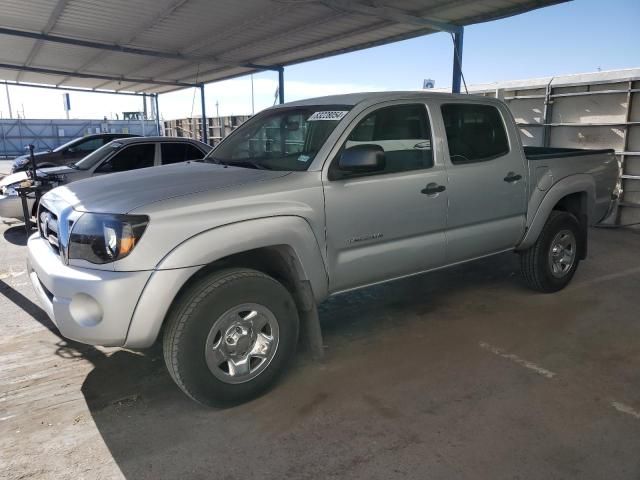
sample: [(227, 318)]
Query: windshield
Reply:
[(281, 139), (96, 156)]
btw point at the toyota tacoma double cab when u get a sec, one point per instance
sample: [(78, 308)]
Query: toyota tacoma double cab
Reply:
[(226, 259)]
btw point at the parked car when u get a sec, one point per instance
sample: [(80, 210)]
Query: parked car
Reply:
[(68, 152), (224, 257), (120, 155)]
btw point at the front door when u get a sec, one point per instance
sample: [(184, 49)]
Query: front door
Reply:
[(389, 223)]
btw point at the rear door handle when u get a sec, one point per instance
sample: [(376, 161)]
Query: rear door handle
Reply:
[(433, 189), (512, 177)]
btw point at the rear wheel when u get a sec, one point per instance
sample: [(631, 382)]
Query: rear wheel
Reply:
[(230, 336), (550, 263)]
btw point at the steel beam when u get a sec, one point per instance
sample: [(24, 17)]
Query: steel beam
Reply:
[(391, 13), (281, 85), (97, 76), (122, 49), (204, 115), (458, 41), (70, 89)]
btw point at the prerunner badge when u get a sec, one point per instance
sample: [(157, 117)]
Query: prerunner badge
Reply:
[(330, 115)]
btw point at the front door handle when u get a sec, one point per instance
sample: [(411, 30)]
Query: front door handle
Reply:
[(512, 177), (433, 189)]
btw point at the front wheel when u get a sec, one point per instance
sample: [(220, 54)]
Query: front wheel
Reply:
[(230, 336), (550, 263)]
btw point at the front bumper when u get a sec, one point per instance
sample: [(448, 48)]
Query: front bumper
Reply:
[(89, 306), (11, 206)]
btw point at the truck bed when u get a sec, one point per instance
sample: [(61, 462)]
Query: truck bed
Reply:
[(543, 153)]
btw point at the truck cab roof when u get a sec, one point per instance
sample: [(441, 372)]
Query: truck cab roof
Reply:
[(367, 98)]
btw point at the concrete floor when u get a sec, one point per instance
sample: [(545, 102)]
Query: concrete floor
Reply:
[(457, 374), (5, 167)]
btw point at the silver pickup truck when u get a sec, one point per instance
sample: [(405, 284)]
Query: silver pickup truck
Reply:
[(227, 258)]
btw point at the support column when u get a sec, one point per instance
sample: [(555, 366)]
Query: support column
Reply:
[(281, 84), (458, 40), (547, 115), (6, 87), (155, 103), (144, 106), (204, 115)]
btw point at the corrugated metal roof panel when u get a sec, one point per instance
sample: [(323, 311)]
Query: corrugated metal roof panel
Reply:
[(216, 39)]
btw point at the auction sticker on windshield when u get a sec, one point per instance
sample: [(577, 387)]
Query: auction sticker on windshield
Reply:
[(328, 115)]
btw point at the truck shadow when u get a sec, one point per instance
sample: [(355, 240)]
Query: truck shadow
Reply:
[(16, 235), (154, 431)]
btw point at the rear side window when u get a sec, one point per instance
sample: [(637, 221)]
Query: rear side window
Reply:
[(475, 133), (179, 152), (130, 158), (402, 131)]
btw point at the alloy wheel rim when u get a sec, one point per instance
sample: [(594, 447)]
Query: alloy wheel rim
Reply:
[(242, 343), (562, 253)]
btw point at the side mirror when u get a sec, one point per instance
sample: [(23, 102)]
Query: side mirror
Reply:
[(362, 158)]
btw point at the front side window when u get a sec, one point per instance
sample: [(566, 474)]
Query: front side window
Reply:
[(403, 132), (281, 139), (475, 133), (130, 158), (96, 156)]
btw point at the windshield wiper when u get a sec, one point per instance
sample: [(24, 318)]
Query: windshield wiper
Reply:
[(240, 163), (72, 165)]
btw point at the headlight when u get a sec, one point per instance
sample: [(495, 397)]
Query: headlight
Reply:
[(11, 188), (103, 238)]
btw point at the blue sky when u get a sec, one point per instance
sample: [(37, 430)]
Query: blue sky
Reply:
[(579, 36)]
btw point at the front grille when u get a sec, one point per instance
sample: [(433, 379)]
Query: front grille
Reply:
[(48, 227)]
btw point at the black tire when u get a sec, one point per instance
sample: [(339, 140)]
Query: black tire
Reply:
[(534, 262), (192, 318)]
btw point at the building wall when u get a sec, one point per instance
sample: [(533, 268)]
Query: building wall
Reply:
[(592, 110), (16, 134), (217, 127)]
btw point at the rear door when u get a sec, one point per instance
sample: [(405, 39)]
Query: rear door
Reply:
[(486, 181), (383, 225)]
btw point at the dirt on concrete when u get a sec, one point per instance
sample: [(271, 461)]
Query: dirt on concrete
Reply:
[(462, 373)]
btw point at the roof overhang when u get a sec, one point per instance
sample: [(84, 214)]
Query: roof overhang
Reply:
[(155, 46)]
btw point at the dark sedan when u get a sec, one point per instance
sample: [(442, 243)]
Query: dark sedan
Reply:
[(68, 152)]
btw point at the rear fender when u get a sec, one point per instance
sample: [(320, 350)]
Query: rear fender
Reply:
[(580, 183)]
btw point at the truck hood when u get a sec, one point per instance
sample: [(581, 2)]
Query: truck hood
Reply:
[(127, 191)]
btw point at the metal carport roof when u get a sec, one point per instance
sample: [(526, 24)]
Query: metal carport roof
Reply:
[(156, 46)]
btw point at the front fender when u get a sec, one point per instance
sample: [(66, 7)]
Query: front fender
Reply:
[(294, 232), (573, 184), (179, 265)]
